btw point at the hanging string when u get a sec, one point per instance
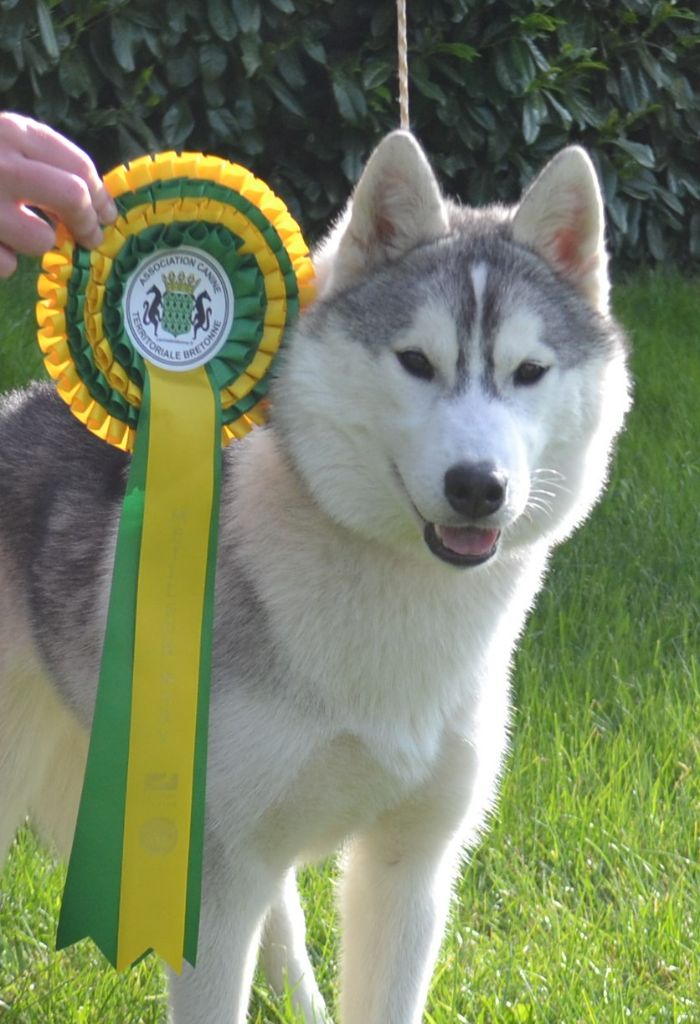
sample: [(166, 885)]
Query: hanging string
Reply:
[(403, 63)]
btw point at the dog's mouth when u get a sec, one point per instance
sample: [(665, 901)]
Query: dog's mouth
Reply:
[(462, 545)]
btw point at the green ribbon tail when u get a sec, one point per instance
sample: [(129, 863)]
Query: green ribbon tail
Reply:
[(194, 877), (90, 904)]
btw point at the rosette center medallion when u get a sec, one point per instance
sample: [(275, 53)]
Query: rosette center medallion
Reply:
[(179, 308)]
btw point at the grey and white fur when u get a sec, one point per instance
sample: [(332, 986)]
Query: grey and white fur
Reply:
[(443, 416)]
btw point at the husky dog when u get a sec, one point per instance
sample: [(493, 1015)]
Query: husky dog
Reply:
[(443, 417)]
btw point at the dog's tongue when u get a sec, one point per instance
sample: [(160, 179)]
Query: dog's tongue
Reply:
[(467, 540)]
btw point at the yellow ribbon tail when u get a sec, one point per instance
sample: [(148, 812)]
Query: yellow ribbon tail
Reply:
[(180, 485)]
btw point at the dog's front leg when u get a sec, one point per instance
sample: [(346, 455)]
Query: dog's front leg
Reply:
[(285, 959), (396, 894), (237, 891)]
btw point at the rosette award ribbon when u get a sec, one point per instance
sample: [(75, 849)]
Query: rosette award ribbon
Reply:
[(161, 341)]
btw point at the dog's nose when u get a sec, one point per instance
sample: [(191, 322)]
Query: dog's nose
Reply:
[(475, 489)]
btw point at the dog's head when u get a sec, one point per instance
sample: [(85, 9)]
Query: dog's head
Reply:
[(457, 386)]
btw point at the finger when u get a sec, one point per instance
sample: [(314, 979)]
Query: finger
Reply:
[(8, 262), (64, 195), (105, 207), (42, 144), (21, 230), (23, 140)]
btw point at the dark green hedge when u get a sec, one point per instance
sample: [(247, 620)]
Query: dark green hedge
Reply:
[(300, 90)]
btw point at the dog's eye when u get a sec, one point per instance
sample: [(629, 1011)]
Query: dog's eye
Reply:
[(529, 373), (416, 363)]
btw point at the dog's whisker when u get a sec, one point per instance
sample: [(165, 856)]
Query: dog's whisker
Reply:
[(540, 506), (552, 477), (555, 485)]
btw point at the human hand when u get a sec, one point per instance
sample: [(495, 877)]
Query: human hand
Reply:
[(40, 168)]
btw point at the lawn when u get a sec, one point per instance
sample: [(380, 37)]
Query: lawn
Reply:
[(582, 904)]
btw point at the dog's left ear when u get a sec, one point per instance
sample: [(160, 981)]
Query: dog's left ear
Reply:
[(561, 217), (396, 205)]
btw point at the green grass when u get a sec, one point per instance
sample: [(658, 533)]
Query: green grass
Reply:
[(20, 358), (582, 904)]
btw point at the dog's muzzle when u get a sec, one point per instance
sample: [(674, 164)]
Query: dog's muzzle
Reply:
[(475, 490)]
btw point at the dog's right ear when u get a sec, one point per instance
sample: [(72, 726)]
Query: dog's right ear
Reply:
[(396, 205)]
